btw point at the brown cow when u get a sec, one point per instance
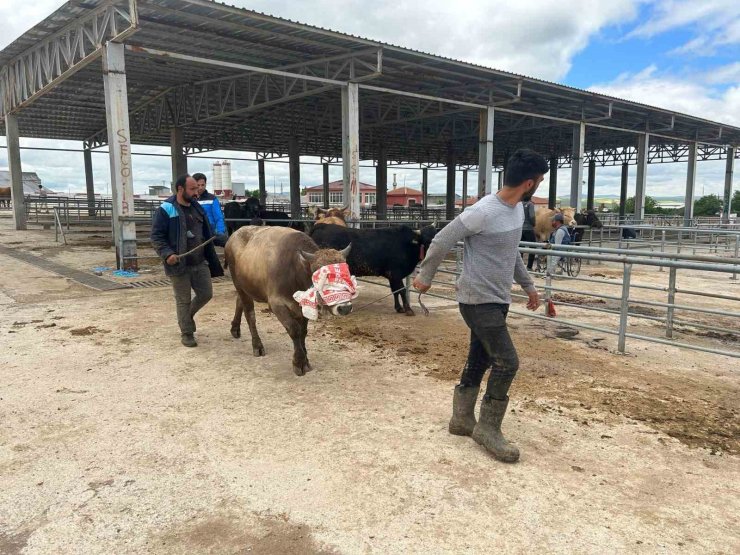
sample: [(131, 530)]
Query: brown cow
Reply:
[(543, 221), (5, 196), (336, 216), (268, 265)]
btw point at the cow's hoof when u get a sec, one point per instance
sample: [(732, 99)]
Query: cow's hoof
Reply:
[(236, 332), (299, 371), (259, 351), (308, 368), (400, 309), (410, 312)]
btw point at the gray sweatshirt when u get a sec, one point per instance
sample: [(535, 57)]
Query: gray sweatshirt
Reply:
[(491, 230)]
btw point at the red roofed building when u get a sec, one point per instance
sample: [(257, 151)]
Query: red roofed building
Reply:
[(315, 195), (404, 196)]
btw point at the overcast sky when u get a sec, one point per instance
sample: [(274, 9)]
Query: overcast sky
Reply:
[(677, 54)]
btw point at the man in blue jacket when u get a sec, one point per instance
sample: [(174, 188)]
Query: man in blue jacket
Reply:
[(180, 225), (211, 206)]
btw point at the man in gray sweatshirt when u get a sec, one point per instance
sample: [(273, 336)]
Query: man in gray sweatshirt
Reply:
[(490, 230)]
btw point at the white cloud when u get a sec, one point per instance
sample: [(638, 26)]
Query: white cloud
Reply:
[(534, 37), (716, 23), (693, 95), (18, 18)]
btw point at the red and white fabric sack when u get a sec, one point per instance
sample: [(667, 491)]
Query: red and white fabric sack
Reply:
[(332, 284)]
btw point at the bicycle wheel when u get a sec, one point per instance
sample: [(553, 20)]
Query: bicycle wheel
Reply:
[(574, 266), (540, 264)]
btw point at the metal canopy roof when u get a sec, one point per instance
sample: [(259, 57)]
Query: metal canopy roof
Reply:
[(241, 80)]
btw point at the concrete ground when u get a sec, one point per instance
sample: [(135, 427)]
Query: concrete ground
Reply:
[(115, 439)]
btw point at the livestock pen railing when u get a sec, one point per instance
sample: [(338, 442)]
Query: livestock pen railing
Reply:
[(624, 310), (720, 242), (665, 220)]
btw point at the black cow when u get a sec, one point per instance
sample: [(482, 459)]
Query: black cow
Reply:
[(233, 211), (254, 213), (590, 219), (392, 253)]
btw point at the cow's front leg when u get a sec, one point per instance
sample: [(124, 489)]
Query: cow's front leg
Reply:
[(397, 284), (294, 326)]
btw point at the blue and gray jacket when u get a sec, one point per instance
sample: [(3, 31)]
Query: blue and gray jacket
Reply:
[(212, 208), (169, 236)]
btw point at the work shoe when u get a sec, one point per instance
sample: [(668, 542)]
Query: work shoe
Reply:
[(188, 340), (487, 431), (463, 410)]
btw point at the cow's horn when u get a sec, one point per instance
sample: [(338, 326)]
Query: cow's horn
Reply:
[(307, 255), (345, 251)]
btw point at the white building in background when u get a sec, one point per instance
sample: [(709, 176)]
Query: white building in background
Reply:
[(217, 177)]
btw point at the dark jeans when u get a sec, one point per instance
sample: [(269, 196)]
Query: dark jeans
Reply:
[(490, 346), (197, 278), (528, 235)]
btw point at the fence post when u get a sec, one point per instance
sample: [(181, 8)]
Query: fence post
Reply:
[(737, 253), (662, 245), (624, 307), (671, 301)]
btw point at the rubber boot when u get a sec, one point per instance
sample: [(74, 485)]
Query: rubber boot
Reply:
[(487, 431), (188, 340), (463, 410)]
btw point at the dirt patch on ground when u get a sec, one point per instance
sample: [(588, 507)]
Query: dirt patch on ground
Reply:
[(576, 299), (234, 534), (580, 373), (88, 330)]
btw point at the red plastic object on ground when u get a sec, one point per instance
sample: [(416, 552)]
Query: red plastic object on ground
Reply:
[(551, 309)]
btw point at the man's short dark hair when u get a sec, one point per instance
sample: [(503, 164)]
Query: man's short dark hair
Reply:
[(199, 176), (524, 164), (180, 182)]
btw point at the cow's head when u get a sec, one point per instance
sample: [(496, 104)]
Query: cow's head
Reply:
[(325, 257), (593, 220), (569, 216), (340, 213), (252, 208), (425, 237)]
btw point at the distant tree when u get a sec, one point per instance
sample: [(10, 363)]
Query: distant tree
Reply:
[(735, 203), (254, 194), (651, 206), (708, 205)]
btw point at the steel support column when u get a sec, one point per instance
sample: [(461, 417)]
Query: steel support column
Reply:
[(576, 176), (325, 185), (16, 171), (623, 191), (729, 171), (351, 149), (500, 183), (89, 183), (381, 185), (465, 189), (643, 145), (688, 208), (591, 185), (294, 163), (425, 188), (552, 198), (450, 193), (177, 154), (485, 152), (119, 148), (261, 181)]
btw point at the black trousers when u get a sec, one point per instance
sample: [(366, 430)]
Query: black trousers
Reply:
[(528, 235), (490, 346)]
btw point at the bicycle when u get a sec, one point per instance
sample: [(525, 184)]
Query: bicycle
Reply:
[(569, 266)]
